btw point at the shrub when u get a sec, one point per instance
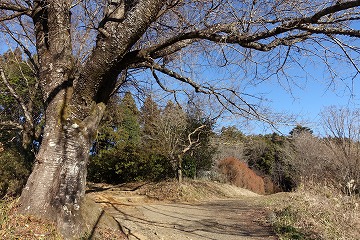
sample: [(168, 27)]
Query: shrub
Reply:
[(271, 156), (13, 172), (239, 174), (128, 166), (317, 211), (324, 160)]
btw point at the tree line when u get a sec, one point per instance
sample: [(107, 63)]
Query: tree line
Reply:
[(285, 161), (131, 144)]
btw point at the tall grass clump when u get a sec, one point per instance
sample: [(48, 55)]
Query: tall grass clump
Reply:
[(318, 211)]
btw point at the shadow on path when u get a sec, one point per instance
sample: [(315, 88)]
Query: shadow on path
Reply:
[(215, 220)]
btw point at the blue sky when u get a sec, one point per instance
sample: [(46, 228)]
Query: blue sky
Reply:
[(307, 102), (307, 96)]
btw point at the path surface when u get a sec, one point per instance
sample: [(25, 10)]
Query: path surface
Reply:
[(231, 219)]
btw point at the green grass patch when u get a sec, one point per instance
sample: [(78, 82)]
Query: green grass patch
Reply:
[(285, 225)]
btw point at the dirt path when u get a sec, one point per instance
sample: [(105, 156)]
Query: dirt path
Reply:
[(228, 219), (221, 219)]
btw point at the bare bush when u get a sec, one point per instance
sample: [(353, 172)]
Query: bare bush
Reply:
[(312, 158), (239, 174)]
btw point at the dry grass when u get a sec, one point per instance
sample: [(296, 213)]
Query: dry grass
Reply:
[(316, 211), (16, 226)]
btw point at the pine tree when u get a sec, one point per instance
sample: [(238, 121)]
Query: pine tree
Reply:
[(150, 115), (129, 126), (300, 129)]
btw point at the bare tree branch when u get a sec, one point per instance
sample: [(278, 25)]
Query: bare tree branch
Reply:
[(216, 32), (160, 84), (197, 87), (15, 7), (12, 16), (339, 6), (193, 143), (24, 48), (338, 42), (17, 97), (12, 125)]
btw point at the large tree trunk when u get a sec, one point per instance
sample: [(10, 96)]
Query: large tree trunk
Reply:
[(75, 100), (56, 187)]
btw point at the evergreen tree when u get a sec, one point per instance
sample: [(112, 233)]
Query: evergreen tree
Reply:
[(107, 136), (117, 153), (129, 126), (20, 124), (231, 134), (117, 156), (150, 114), (270, 156), (300, 129)]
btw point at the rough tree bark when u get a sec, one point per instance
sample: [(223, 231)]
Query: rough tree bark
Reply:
[(57, 184)]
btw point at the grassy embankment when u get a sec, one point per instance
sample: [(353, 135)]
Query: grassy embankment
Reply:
[(315, 211)]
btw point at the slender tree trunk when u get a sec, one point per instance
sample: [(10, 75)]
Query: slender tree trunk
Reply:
[(27, 136), (179, 169), (179, 175)]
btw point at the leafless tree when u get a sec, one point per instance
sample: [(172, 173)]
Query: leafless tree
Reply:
[(80, 53), (333, 158), (312, 158), (172, 136), (342, 129)]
